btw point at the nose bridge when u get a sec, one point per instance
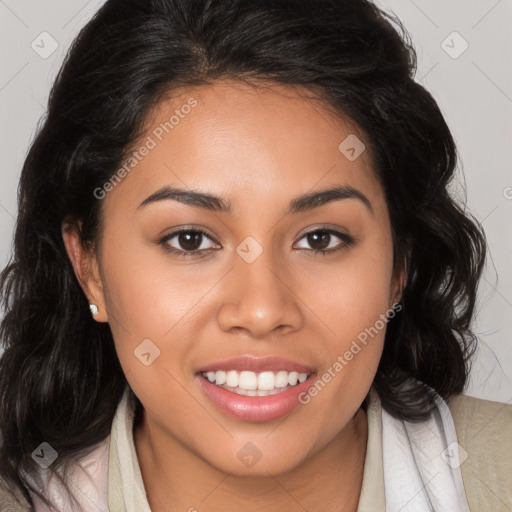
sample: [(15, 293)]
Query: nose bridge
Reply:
[(258, 299)]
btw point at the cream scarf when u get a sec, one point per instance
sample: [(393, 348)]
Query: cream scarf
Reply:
[(421, 464)]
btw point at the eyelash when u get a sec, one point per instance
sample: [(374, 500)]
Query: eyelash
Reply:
[(346, 239)]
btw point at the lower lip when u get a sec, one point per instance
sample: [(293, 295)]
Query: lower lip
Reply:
[(255, 408)]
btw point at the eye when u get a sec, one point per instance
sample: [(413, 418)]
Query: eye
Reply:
[(187, 242), (323, 241)]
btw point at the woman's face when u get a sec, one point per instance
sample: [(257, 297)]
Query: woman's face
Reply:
[(252, 287)]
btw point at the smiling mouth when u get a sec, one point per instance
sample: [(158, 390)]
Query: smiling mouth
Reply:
[(249, 383)]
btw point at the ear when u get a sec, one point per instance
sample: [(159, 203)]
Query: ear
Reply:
[(398, 286), (86, 267), (399, 280)]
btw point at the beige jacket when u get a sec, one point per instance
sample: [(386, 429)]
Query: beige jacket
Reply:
[(484, 431)]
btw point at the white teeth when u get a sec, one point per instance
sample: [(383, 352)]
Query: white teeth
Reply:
[(293, 377), (266, 381), (248, 380), (256, 384), (232, 379), (220, 378), (281, 380)]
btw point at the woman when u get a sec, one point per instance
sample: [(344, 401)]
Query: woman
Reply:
[(239, 281)]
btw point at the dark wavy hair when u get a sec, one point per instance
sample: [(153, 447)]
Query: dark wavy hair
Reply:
[(60, 379)]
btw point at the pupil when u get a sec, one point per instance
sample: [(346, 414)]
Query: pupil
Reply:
[(190, 240), (322, 236)]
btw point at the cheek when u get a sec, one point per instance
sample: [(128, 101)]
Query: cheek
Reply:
[(148, 312), (148, 303), (352, 316), (350, 295), (149, 292)]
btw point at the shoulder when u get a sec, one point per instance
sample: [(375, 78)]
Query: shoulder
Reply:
[(493, 414), (481, 422), (484, 433), (12, 500)]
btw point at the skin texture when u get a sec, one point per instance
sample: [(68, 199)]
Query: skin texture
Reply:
[(258, 149)]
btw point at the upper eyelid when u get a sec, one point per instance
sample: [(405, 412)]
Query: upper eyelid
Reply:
[(331, 230)]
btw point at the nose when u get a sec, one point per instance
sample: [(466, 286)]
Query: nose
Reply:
[(259, 299)]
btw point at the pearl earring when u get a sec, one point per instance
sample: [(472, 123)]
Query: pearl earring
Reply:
[(94, 309)]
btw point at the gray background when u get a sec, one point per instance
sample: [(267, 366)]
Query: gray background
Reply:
[(473, 88)]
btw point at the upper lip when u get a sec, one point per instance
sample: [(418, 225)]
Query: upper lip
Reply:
[(256, 364)]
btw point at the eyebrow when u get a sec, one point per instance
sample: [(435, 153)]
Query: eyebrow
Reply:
[(218, 204)]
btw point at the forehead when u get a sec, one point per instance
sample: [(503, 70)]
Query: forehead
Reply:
[(233, 139)]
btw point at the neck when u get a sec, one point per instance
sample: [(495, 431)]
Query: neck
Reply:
[(329, 480)]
